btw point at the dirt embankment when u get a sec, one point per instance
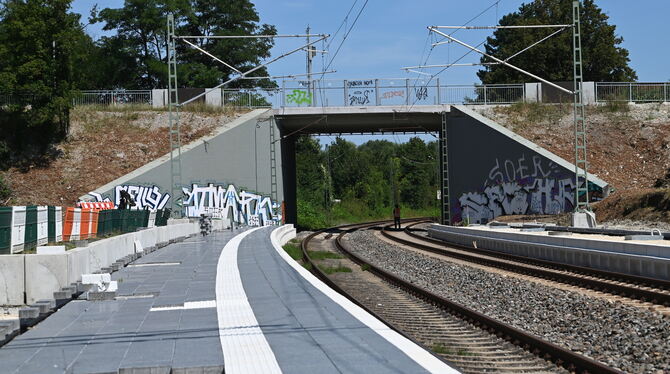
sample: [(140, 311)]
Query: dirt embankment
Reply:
[(102, 146), (628, 146)]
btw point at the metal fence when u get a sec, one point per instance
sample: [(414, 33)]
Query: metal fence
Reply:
[(368, 92), (632, 92), (113, 97), (375, 92)]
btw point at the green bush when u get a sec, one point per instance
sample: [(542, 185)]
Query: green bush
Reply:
[(5, 191)]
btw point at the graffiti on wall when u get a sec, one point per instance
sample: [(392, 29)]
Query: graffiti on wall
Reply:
[(145, 197), (522, 186), (223, 202), (299, 97), (360, 92)]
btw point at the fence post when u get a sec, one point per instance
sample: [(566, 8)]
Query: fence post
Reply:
[(377, 97), (630, 92), (283, 93), (485, 98), (439, 95), (407, 90), (665, 92), (346, 93)]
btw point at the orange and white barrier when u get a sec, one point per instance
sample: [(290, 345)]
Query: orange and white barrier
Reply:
[(101, 205), (72, 224)]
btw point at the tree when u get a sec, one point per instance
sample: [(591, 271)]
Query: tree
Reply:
[(603, 59), (141, 37), (37, 39)]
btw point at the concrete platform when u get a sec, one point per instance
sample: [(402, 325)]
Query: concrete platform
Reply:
[(205, 305), (646, 258)]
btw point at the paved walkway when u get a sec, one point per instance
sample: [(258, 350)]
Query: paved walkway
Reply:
[(205, 304)]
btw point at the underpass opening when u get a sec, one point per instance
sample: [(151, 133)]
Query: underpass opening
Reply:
[(485, 170)]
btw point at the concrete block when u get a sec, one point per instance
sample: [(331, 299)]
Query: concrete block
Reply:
[(44, 275), (80, 243), (50, 302), (12, 281), (78, 263), (584, 219), (198, 370), (62, 295), (43, 308), (70, 289), (29, 312), (101, 295), (50, 250), (10, 325)]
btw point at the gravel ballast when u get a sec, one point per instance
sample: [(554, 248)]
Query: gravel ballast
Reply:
[(628, 338)]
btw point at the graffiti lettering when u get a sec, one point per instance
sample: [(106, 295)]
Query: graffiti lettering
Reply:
[(220, 202), (543, 196), (519, 186), (145, 197), (360, 97), (391, 94), (421, 93), (512, 170), (299, 97), (360, 83)]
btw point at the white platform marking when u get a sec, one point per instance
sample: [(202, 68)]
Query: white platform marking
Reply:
[(413, 351), (245, 349)]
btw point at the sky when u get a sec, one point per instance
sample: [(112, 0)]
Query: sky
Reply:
[(391, 34)]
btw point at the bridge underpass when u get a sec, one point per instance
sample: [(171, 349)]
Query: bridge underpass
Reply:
[(488, 170)]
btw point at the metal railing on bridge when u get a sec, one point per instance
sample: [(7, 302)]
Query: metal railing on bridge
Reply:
[(401, 91), (367, 92), (632, 92)]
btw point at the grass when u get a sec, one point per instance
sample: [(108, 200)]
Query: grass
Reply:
[(352, 211), (322, 255), (365, 267), (441, 349), (523, 114), (200, 108), (338, 269), (293, 249)]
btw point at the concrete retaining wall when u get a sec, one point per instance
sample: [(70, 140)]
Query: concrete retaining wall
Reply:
[(45, 274), (629, 258)]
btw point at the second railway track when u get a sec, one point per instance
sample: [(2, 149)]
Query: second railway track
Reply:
[(473, 342), (651, 293)]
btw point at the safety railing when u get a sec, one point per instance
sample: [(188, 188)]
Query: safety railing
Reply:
[(402, 91), (633, 92), (113, 97)]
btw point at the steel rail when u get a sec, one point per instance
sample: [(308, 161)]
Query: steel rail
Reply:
[(541, 348), (571, 279)]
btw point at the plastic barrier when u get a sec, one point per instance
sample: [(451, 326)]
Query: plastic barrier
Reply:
[(72, 225), (30, 239), (55, 224), (42, 225), (5, 230), (152, 219), (93, 228), (18, 228), (85, 224), (97, 206)]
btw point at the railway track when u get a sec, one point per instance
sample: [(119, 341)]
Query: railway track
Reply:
[(469, 340), (648, 292)]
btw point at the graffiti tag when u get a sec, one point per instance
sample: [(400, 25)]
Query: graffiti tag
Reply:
[(145, 197), (392, 94), (299, 97)]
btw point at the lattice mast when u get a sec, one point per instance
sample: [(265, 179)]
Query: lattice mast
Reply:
[(581, 165), (444, 172), (173, 120)]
